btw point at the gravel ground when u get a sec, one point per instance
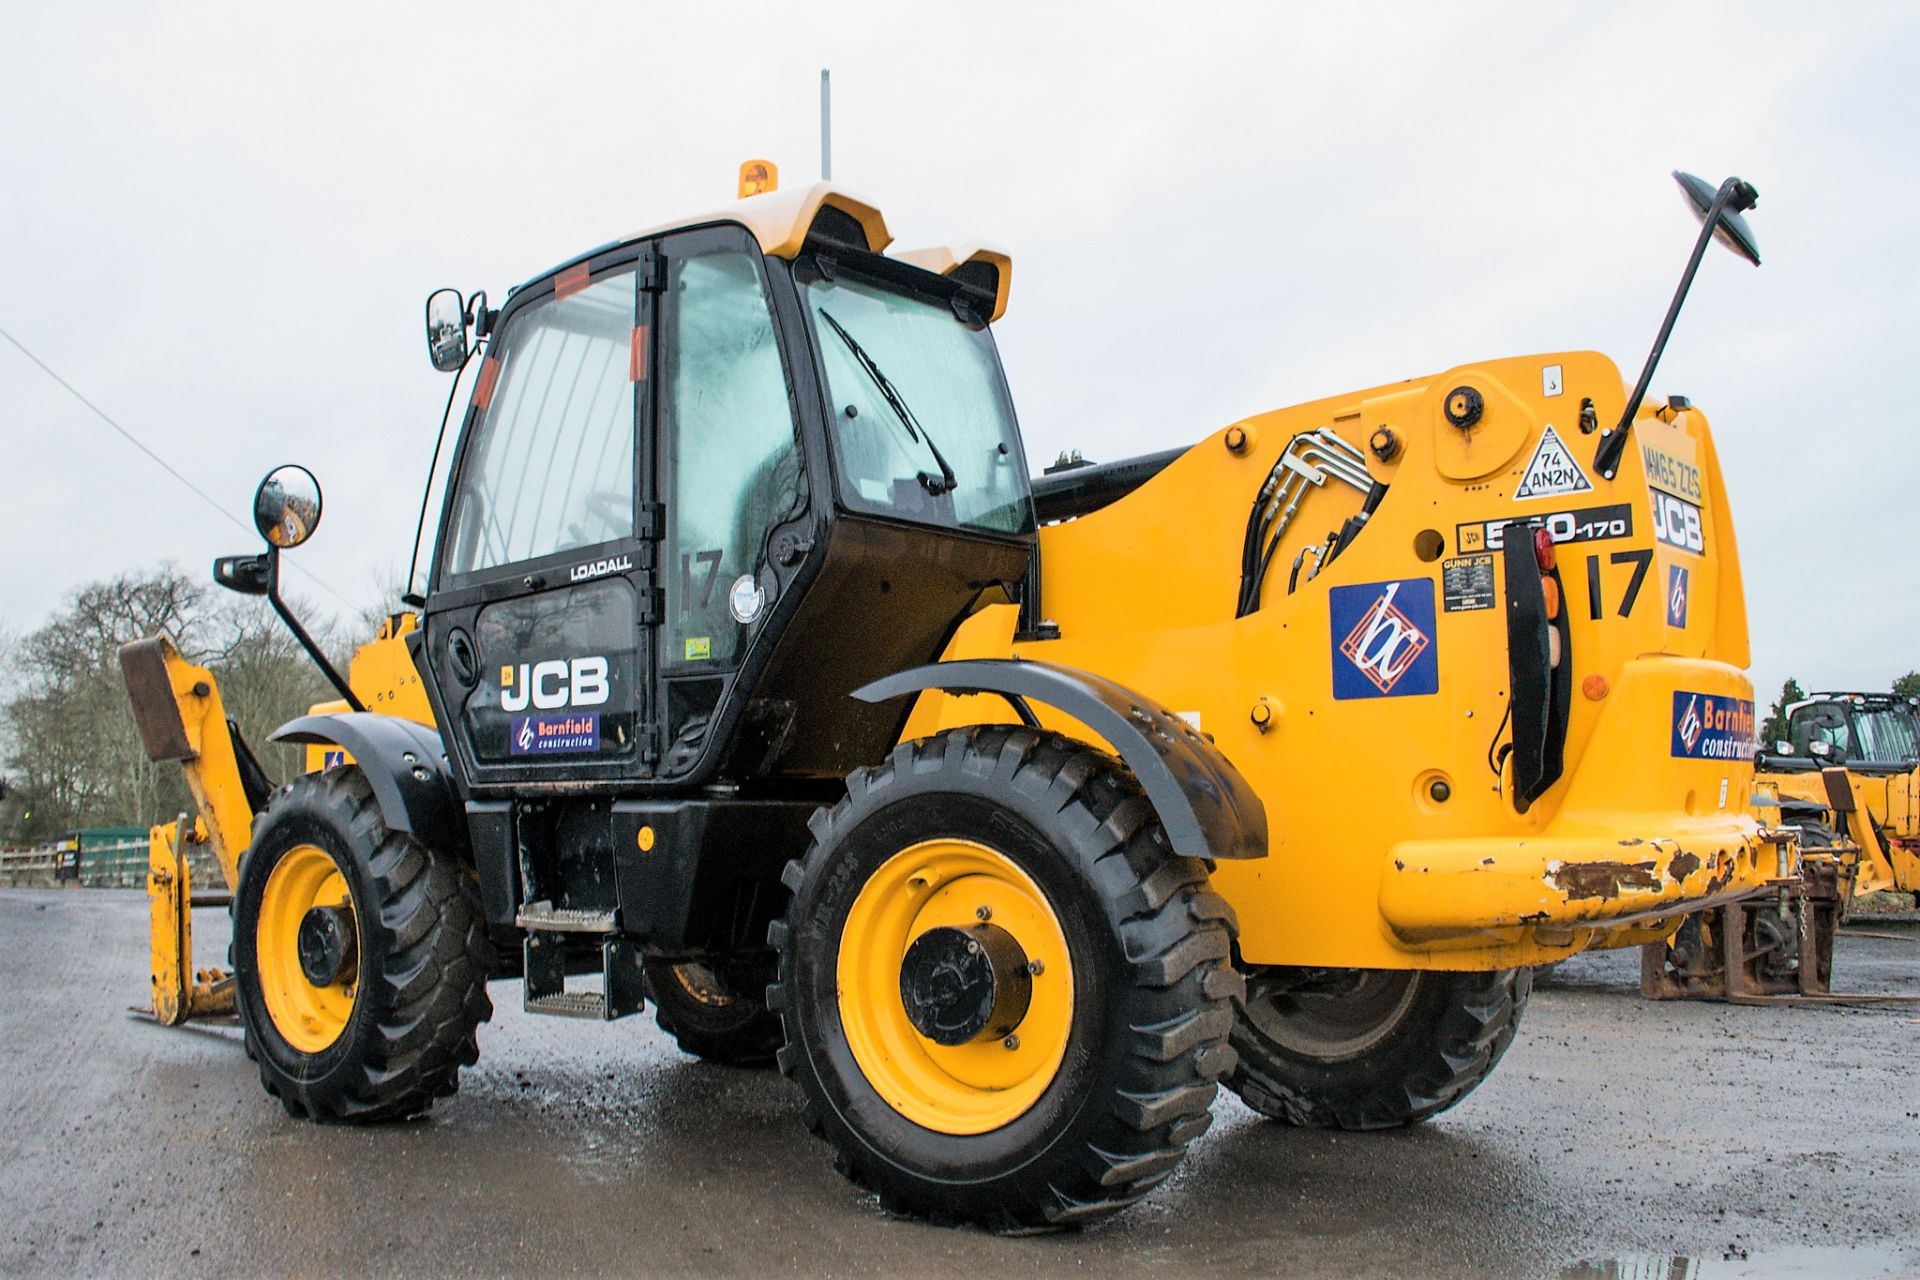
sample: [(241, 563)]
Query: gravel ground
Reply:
[(1618, 1138)]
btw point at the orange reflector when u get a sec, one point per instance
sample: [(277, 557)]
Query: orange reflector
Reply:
[(570, 281), (757, 177), (483, 386), (1550, 588), (637, 362), (1594, 686)]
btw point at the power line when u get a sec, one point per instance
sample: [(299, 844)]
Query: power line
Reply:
[(166, 466)]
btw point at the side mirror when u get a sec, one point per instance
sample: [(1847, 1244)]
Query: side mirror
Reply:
[(1820, 750), (286, 507), (1781, 747), (1731, 229), (446, 330)]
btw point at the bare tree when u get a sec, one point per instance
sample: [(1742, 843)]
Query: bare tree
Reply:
[(72, 751)]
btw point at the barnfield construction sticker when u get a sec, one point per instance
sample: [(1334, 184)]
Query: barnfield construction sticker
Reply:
[(1553, 471), (1707, 726)]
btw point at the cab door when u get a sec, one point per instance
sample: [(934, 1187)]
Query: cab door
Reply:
[(539, 614), (733, 483)]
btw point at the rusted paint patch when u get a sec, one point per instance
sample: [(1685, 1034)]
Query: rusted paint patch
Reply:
[(1724, 868), (1602, 880), (1399, 865), (1628, 844), (1683, 865)]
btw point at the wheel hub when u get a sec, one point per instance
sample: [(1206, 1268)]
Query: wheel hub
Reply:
[(960, 986), (328, 945)]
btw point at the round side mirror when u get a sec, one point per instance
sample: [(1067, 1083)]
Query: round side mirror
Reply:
[(286, 507), (1732, 230), (446, 330)]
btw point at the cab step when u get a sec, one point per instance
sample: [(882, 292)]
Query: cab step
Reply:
[(545, 956), (547, 918), (570, 1004)]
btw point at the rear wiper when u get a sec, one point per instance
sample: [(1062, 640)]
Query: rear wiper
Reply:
[(946, 481)]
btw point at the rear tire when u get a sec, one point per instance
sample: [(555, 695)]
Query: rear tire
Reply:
[(717, 1009), (1370, 1048), (389, 1032), (1132, 1009)]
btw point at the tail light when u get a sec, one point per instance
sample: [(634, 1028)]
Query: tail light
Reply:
[(1543, 549)]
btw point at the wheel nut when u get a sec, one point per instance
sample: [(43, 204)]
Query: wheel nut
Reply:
[(983, 913), (1036, 968), (1011, 1042)]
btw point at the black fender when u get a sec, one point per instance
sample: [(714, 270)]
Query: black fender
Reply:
[(405, 762), (1206, 806)]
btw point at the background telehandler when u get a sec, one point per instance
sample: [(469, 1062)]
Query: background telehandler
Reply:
[(1875, 738), (1845, 779), (1274, 760)]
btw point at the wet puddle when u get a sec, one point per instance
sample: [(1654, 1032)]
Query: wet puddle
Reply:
[(1814, 1263)]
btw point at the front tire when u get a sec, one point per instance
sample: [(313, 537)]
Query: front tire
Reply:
[(1035, 860), (360, 957), (1370, 1048)]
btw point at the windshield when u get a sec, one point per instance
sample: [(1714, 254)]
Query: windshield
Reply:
[(1886, 736), (1869, 734), (922, 427)]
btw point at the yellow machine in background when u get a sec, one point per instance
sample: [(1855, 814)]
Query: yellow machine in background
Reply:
[(1872, 741), (1844, 782)]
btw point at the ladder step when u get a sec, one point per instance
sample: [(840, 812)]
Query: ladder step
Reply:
[(570, 1004), (548, 918)]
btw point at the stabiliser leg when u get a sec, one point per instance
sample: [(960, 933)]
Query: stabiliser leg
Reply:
[(179, 990)]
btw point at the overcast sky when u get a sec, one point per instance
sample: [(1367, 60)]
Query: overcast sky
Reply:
[(219, 222)]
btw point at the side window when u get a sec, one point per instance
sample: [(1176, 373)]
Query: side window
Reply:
[(550, 467), (728, 454)]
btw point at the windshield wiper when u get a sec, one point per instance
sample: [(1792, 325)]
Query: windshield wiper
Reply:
[(946, 481)]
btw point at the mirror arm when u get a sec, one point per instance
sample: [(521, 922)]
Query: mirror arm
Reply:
[(327, 669), (1606, 459)]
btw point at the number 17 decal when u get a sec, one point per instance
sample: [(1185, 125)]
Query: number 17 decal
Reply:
[(1641, 561)]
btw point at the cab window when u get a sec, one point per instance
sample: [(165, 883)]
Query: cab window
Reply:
[(731, 463), (550, 466), (921, 422)]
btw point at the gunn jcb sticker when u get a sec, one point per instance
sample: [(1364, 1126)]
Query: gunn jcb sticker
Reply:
[(1707, 726), (1384, 643)]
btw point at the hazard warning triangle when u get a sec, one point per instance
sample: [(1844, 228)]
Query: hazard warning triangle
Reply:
[(1553, 471)]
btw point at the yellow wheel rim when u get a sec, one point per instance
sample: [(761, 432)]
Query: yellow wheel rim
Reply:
[(957, 1089), (308, 1017)]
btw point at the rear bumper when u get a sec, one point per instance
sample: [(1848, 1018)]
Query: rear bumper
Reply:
[(1651, 827), (1463, 891)]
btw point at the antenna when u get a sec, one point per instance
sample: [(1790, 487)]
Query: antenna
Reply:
[(826, 125)]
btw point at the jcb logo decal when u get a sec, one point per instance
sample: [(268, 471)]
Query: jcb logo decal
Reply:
[(1383, 639), (1676, 522), (555, 683)]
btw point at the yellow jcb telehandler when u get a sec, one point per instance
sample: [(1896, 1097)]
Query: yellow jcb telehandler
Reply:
[(754, 675)]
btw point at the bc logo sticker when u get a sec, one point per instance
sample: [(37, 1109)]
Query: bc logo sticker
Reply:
[(552, 735), (332, 757), (1383, 640), (1707, 726), (1677, 596)]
